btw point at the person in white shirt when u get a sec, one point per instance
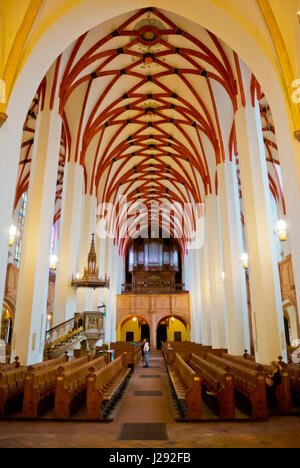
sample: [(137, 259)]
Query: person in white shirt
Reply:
[(146, 353)]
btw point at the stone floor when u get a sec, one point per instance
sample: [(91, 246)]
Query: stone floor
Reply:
[(278, 432)]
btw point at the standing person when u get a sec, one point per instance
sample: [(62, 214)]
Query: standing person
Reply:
[(143, 353), (146, 352)]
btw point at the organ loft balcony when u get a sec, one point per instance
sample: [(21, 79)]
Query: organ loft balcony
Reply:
[(153, 266)]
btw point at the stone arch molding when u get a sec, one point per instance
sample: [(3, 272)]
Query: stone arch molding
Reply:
[(161, 316), (121, 318), (91, 13)]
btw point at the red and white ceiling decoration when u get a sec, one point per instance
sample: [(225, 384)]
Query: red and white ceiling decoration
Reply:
[(27, 148), (148, 101)]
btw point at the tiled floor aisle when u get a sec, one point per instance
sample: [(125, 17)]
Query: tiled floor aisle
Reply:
[(156, 409), (278, 432)]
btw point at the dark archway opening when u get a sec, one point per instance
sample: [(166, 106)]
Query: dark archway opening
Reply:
[(162, 335), (287, 331), (145, 332)]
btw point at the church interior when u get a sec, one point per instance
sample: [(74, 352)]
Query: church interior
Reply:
[(150, 223)]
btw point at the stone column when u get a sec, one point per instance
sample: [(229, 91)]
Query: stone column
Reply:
[(103, 269), (195, 295), (214, 244), (116, 279), (267, 314), (68, 250), (31, 307), (205, 293), (188, 279), (235, 280), (110, 300)]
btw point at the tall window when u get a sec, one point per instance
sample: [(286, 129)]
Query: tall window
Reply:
[(21, 220)]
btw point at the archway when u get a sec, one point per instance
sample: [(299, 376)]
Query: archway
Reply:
[(172, 328), (290, 322), (7, 323), (83, 17), (133, 328)]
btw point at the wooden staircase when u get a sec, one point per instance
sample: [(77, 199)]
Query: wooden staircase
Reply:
[(64, 337)]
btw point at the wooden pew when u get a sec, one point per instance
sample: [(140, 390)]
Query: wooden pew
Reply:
[(40, 387), (250, 383), (12, 384), (187, 386), (218, 381), (133, 352), (70, 387), (185, 349), (103, 384), (283, 391), (294, 372), (8, 367), (11, 390)]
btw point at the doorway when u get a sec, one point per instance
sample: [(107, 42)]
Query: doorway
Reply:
[(162, 335), (287, 331), (129, 337), (177, 337), (145, 332)]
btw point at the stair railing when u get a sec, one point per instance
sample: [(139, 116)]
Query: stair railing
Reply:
[(64, 332)]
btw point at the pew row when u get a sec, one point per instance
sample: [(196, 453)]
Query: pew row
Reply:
[(185, 349), (8, 367), (218, 381), (250, 383), (103, 385), (133, 352), (71, 386), (187, 386), (283, 391), (40, 387), (294, 372), (12, 384)]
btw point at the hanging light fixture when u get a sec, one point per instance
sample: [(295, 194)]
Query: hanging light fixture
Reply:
[(53, 262), (244, 258), (281, 228), (223, 276), (12, 235), (134, 319)]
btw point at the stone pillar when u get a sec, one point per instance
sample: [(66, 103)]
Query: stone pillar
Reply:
[(110, 301), (10, 144), (31, 307), (85, 297), (214, 243), (153, 334), (188, 279), (103, 269), (116, 278), (68, 250), (267, 314), (205, 293), (195, 295), (235, 280)]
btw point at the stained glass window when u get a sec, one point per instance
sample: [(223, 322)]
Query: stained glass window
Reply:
[(21, 220)]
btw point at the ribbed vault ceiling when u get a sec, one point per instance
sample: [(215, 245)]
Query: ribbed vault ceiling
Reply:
[(148, 105)]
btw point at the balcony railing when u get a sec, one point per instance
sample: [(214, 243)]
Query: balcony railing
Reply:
[(147, 288)]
